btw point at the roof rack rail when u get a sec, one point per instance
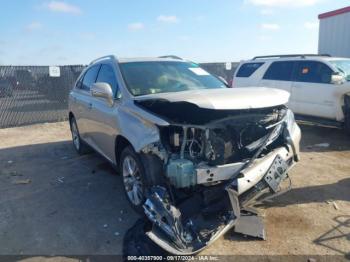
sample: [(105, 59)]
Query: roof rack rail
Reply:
[(171, 56), (292, 55), (102, 58)]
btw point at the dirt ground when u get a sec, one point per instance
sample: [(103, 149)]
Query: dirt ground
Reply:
[(54, 202)]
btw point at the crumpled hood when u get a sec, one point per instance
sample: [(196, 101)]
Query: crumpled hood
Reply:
[(226, 98)]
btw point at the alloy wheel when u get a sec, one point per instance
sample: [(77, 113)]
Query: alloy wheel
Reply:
[(132, 180)]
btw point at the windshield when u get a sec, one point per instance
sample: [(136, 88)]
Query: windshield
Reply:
[(143, 78), (343, 67)]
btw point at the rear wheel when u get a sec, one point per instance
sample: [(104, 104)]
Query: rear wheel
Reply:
[(78, 144)]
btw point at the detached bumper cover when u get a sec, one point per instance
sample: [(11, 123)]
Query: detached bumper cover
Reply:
[(260, 167), (192, 247)]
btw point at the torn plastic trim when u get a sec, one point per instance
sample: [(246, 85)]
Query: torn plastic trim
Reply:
[(256, 172), (276, 131), (172, 250), (267, 139), (270, 184), (167, 217), (251, 225), (184, 248)]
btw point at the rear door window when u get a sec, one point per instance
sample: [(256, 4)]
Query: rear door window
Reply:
[(90, 77), (313, 72), (246, 70), (107, 75), (281, 71)]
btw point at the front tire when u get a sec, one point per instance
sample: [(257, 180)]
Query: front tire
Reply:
[(78, 144), (134, 179)]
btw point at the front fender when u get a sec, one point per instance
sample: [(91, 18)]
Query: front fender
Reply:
[(139, 127)]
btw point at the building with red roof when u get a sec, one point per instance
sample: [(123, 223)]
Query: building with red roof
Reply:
[(334, 34)]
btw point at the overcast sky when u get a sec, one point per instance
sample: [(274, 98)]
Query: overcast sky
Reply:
[(76, 31)]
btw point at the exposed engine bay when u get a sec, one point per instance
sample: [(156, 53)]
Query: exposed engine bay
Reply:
[(215, 170), (219, 143)]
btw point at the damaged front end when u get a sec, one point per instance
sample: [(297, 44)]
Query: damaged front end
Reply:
[(216, 170)]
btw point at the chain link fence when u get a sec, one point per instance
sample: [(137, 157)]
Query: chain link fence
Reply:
[(225, 70), (31, 94)]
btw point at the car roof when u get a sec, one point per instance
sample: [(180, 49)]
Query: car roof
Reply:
[(296, 58), (149, 59), (336, 58), (113, 58)]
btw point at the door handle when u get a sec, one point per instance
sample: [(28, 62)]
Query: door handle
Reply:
[(90, 106)]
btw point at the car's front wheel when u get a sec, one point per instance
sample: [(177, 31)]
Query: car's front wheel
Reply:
[(133, 175)]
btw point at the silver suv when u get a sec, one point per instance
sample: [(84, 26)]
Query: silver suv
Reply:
[(193, 154)]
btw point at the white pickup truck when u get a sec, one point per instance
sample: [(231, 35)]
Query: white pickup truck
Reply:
[(319, 84)]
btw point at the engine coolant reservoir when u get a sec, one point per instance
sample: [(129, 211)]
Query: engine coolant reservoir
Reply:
[(181, 173)]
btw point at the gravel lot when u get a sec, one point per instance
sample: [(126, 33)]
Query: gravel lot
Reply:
[(54, 202)]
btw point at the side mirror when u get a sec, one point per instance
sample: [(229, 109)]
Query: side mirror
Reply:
[(337, 79), (102, 90)]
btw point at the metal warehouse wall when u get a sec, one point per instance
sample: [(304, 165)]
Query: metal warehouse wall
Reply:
[(334, 36), (28, 94)]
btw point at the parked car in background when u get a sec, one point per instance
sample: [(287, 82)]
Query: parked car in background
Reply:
[(319, 84), (6, 88), (193, 154)]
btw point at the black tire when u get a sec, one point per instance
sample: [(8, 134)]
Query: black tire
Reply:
[(347, 115), (347, 124), (80, 146), (149, 174)]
